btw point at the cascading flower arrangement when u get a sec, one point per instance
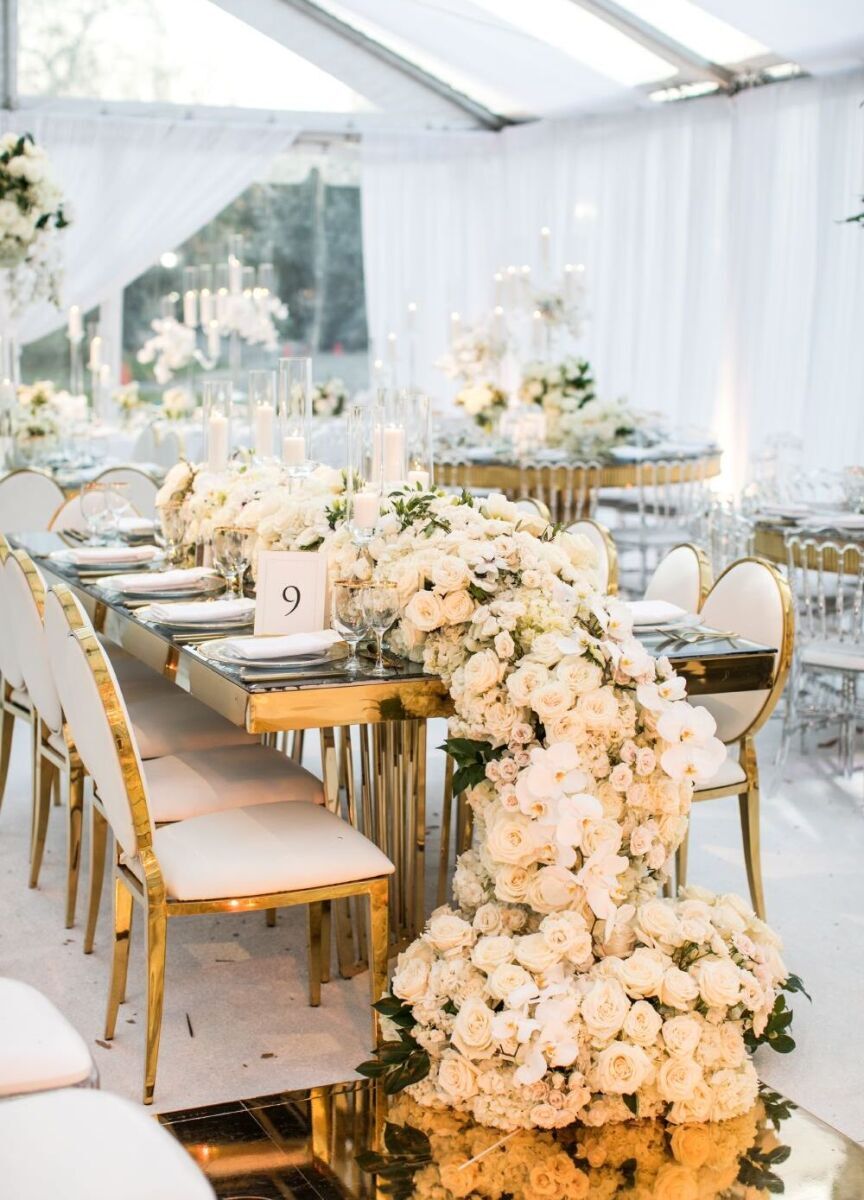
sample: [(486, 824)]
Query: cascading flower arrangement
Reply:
[(32, 212), (576, 420), (560, 986)]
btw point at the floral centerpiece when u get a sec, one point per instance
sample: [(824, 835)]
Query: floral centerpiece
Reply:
[(575, 419), (42, 413), (484, 402), (474, 353), (177, 403), (31, 213), (171, 348), (560, 986), (329, 398)]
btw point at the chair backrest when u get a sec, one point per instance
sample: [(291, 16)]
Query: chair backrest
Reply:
[(568, 490), (68, 516), (10, 666), (25, 589), (827, 580), (607, 556), (98, 720), (533, 508), (140, 489), (157, 445), (28, 500), (682, 577), (753, 599)]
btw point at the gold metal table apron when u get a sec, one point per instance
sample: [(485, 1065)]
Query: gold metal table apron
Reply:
[(769, 540), (386, 716)]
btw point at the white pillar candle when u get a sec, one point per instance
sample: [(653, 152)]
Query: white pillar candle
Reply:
[(265, 415), (498, 284), (76, 329), (217, 442), (421, 477), (411, 318), (293, 450), (394, 453), (222, 305), (498, 322), (366, 506), (214, 344), (455, 326), (190, 309), (95, 361), (205, 307), (235, 275), (545, 247)]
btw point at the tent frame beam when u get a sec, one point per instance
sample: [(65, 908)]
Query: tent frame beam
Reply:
[(691, 65), (482, 115)]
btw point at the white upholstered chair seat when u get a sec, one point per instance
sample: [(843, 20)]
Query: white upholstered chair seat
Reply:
[(262, 849), (168, 721), (39, 1049), (89, 1145), (190, 784), (729, 772), (19, 696), (836, 656)]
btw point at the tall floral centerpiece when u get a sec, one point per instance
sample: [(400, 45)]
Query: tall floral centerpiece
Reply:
[(576, 420), (31, 213)]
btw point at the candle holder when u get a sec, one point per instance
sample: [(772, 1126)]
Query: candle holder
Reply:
[(190, 297), (362, 483), (390, 418), (295, 414), (418, 428), (206, 306), (217, 423), (262, 413)]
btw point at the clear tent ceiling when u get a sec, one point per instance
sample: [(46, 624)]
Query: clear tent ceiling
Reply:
[(476, 62)]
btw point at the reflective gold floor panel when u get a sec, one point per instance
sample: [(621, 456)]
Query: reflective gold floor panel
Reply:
[(304, 1145)]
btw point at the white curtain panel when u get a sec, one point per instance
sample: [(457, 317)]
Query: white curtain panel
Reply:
[(723, 288), (137, 187)]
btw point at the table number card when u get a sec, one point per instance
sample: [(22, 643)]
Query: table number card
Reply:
[(291, 591)]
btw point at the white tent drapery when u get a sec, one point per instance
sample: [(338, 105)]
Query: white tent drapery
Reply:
[(137, 187), (723, 288)]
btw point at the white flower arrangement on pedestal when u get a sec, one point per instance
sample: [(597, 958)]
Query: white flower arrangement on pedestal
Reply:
[(172, 347), (483, 401), (560, 987), (31, 214), (575, 419), (251, 315), (475, 353)]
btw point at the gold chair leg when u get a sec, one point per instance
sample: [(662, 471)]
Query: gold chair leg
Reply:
[(379, 946), (73, 848), (681, 863), (271, 917), (447, 805), (56, 791), (7, 728), (325, 941), (98, 842), (120, 954), (157, 929), (313, 934), (748, 808), (45, 772)]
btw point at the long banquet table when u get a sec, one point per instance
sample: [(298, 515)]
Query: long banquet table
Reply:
[(385, 717)]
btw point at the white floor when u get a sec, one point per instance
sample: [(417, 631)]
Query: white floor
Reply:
[(236, 1019)]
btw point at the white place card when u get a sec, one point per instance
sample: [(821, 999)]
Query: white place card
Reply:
[(291, 591)]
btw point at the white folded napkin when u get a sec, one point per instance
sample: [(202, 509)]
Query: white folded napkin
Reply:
[(135, 525), (206, 611), (87, 556), (289, 645), (654, 612), (162, 581)]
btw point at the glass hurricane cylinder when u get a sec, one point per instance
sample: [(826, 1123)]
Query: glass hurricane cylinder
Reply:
[(363, 485), (217, 423), (390, 416), (295, 413), (418, 431), (262, 412)]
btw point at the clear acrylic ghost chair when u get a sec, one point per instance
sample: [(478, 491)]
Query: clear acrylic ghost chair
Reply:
[(28, 500), (90, 1145), (682, 577), (139, 488), (727, 532), (39, 1049), (259, 856), (568, 490), (827, 579), (157, 447), (752, 598), (668, 499), (15, 702), (607, 555)]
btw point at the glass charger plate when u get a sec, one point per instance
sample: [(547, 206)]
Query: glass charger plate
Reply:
[(220, 652), (205, 587), (212, 625), (126, 566)]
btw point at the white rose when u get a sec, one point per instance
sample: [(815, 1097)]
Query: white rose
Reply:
[(449, 574), (622, 1068), (457, 608), (457, 1077), (482, 671), (598, 709), (681, 1036), (642, 972), (424, 610), (448, 933), (487, 919), (678, 1078), (580, 675), (565, 933), (658, 921), (535, 953), (719, 981), (505, 979), (511, 884), (552, 889), (678, 989), (525, 680), (472, 1029), (604, 1008), (504, 645), (551, 700), (695, 1109), (490, 952), (512, 838), (411, 981), (642, 1023), (733, 1092)]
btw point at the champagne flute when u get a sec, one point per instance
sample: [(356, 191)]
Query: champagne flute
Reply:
[(116, 506), (93, 503), (231, 555), (348, 616), (174, 532), (381, 605)]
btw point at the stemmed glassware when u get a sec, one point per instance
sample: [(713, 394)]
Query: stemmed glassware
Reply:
[(94, 505), (381, 606), (348, 616), (232, 552), (174, 532)]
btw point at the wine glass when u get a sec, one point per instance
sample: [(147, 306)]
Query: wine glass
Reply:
[(174, 532), (348, 616), (117, 505), (232, 551), (94, 504), (381, 605)]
